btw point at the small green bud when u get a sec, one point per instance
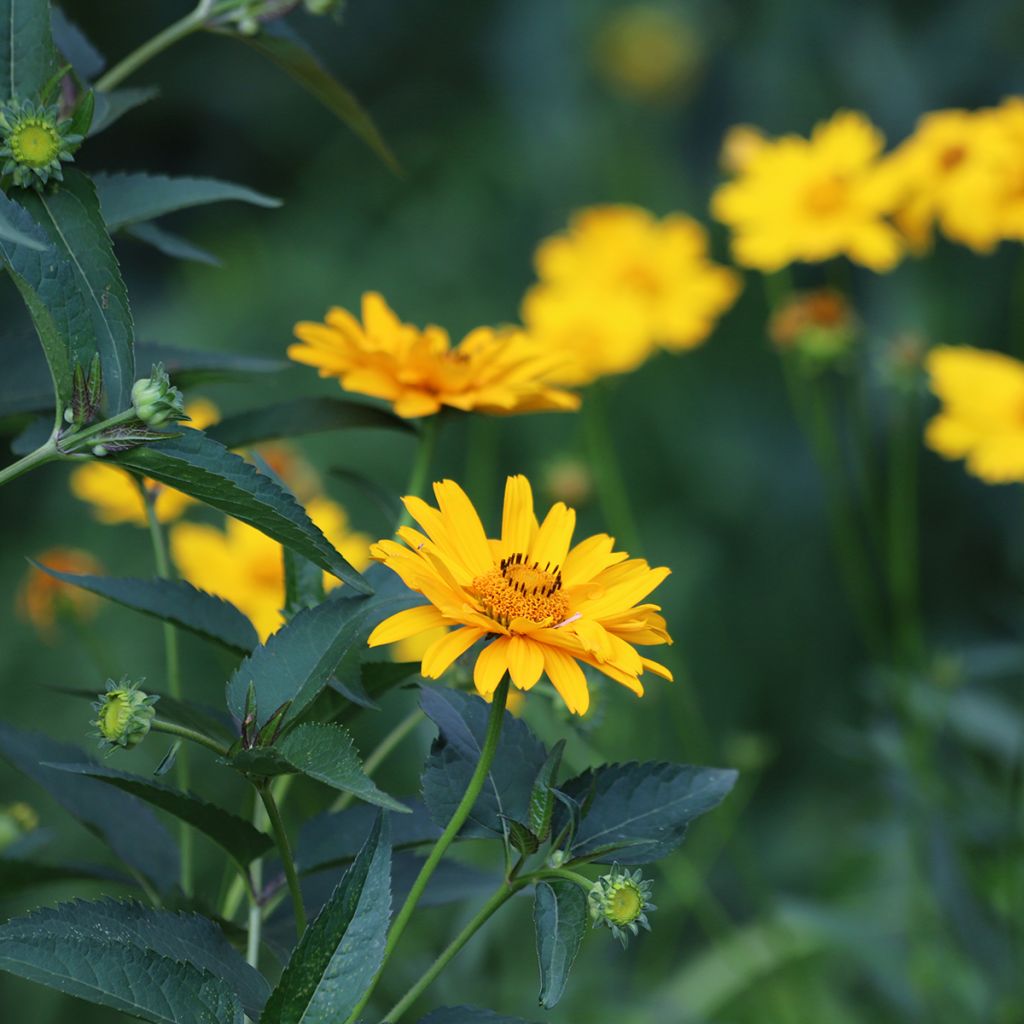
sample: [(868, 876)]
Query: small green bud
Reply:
[(16, 820), (99, 451), (155, 400), (123, 715), (621, 901), (69, 415), (35, 142)]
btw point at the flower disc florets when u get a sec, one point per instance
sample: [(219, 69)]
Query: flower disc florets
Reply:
[(123, 714), (621, 901), (156, 401), (35, 143)]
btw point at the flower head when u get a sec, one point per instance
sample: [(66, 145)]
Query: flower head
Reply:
[(156, 401), (16, 821), (539, 605), (982, 414), (818, 324), (809, 200), (35, 143), (124, 714), (419, 371), (621, 901), (43, 599)]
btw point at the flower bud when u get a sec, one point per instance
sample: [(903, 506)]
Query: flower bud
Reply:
[(123, 715), (621, 901), (819, 325), (16, 820), (155, 400), (34, 143)]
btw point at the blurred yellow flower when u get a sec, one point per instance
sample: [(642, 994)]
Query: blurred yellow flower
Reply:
[(114, 494), (809, 200), (741, 144), (246, 567), (618, 284), (541, 606), (982, 414), (43, 599), (498, 372)]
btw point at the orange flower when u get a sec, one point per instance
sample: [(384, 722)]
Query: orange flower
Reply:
[(43, 599)]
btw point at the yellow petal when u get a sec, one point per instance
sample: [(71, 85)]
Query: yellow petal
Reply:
[(490, 666), (525, 661), (568, 679), (443, 651), (464, 523), (551, 544), (405, 624), (518, 523)]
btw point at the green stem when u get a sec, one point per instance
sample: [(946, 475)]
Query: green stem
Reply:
[(476, 784), (45, 453), (185, 733), (420, 473), (71, 444), (285, 849)]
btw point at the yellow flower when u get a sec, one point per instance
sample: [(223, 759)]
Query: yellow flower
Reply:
[(498, 372), (619, 283), (741, 144), (246, 567), (41, 598), (982, 414), (115, 496), (809, 200), (542, 607)]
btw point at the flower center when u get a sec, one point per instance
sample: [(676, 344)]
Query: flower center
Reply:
[(952, 156), (825, 196), (641, 279), (517, 589), (35, 143), (625, 906)]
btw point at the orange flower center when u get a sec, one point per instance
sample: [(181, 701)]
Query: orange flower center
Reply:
[(952, 156), (825, 196), (517, 589)]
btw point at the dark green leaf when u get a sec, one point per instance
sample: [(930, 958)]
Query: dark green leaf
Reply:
[(169, 244), (542, 796), (112, 106), (560, 918), (27, 57), (468, 1015), (364, 683), (131, 198), (189, 366), (235, 835), (387, 502), (17, 874), (126, 824), (9, 233), (301, 416), (462, 721), (638, 813), (341, 951), (198, 465), (521, 837), (303, 584), (173, 601), (73, 45)]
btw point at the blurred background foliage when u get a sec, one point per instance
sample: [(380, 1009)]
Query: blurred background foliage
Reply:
[(870, 865)]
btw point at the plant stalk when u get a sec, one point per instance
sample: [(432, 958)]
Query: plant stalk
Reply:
[(45, 453), (285, 849), (420, 473), (185, 733)]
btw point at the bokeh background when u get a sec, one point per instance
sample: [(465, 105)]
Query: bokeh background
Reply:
[(849, 878)]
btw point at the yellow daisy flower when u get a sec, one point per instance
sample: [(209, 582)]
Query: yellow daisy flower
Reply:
[(498, 372), (113, 493), (41, 598), (246, 567), (809, 200), (542, 606)]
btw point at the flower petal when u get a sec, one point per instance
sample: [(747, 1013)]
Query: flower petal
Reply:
[(491, 666), (518, 523), (405, 624), (443, 651), (463, 523), (525, 661), (551, 544), (568, 679)]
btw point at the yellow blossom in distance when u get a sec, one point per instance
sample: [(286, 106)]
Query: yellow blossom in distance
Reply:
[(42, 598), (113, 493), (982, 415), (418, 370), (540, 605), (618, 284), (246, 567), (809, 200)]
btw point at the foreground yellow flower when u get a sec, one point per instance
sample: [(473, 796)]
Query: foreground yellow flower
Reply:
[(419, 371), (809, 200), (42, 599), (246, 567), (618, 284), (542, 606), (982, 414)]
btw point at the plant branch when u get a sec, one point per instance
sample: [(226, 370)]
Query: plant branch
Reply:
[(285, 849), (420, 473), (183, 732)]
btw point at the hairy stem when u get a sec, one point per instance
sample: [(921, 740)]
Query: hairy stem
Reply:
[(284, 848)]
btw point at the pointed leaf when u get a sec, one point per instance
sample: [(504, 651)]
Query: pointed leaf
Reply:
[(341, 951), (75, 47), (521, 837), (189, 366), (169, 244), (542, 796), (28, 59), (560, 918), (17, 874), (10, 233), (198, 465), (112, 106), (303, 584)]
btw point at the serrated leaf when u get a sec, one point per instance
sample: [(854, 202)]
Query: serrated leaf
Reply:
[(303, 583), (542, 797), (28, 59), (468, 1015), (112, 106), (233, 834), (75, 47), (321, 751), (521, 837), (462, 721), (199, 466), (17, 874), (638, 813), (130, 198), (170, 244), (173, 601), (340, 953), (560, 921), (367, 681), (123, 822)]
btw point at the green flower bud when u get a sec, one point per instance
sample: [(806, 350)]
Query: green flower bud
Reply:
[(621, 901), (155, 400), (123, 715), (35, 143), (16, 820)]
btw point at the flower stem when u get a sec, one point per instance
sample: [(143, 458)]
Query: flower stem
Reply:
[(476, 784), (185, 733), (429, 429), (45, 453), (285, 849)]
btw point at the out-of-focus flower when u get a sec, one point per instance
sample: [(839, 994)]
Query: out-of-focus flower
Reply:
[(246, 567), (541, 606), (16, 820), (113, 493), (497, 372), (809, 200), (124, 714), (618, 284), (901, 365), (570, 480), (819, 324), (982, 414), (741, 144), (292, 467), (649, 52), (42, 599)]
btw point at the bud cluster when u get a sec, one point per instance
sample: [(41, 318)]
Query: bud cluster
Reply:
[(156, 401)]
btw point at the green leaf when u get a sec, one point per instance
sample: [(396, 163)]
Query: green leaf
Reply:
[(521, 837), (292, 56), (173, 601), (112, 106), (468, 1015), (27, 57), (169, 244), (17, 874), (638, 813), (123, 822), (301, 416), (560, 919), (303, 584), (341, 951), (129, 198), (234, 835), (190, 366), (198, 465), (75, 47), (321, 751), (542, 796), (9, 233), (462, 721)]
